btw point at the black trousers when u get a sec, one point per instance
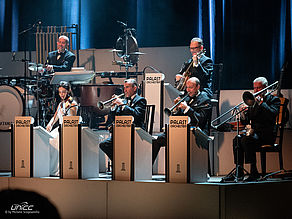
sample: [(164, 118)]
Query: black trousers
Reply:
[(107, 147), (246, 147), (157, 144)]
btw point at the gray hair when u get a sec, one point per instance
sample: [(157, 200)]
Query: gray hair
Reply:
[(263, 80), (194, 80), (65, 38), (131, 81), (197, 39)]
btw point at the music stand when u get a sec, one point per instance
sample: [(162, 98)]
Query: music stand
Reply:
[(236, 112), (73, 77)]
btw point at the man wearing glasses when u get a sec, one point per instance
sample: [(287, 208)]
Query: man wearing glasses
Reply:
[(199, 66)]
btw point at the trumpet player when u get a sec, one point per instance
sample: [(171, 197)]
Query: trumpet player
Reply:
[(261, 117), (197, 107), (199, 66), (134, 105)]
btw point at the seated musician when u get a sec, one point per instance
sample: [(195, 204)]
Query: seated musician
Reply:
[(133, 105), (197, 107), (199, 66), (61, 59), (67, 107), (262, 119)]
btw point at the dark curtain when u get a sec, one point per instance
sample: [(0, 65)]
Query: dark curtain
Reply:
[(252, 38)]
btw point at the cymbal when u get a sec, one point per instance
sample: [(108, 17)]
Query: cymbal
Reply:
[(137, 53), (35, 67), (115, 50), (34, 64)]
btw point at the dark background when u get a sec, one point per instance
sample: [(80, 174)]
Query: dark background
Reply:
[(251, 38)]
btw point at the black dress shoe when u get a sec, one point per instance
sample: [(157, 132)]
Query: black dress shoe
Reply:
[(232, 178), (253, 177)]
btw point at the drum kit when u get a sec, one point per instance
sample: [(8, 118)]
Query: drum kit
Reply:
[(29, 96), (35, 96)]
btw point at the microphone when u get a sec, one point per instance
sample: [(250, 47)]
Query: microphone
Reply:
[(122, 24)]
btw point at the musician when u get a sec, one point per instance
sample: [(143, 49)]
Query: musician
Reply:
[(197, 107), (262, 120), (200, 65), (133, 105), (67, 107), (61, 59)]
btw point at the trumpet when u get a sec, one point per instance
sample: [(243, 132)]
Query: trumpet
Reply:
[(101, 104), (169, 111), (248, 99)]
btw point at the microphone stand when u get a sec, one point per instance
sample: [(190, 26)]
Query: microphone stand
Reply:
[(25, 60), (237, 166)]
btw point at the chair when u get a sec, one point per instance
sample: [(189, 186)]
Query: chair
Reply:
[(277, 147), (149, 118)]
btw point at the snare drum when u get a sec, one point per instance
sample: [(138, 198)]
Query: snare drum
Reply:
[(12, 104)]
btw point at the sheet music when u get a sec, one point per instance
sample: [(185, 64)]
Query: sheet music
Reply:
[(74, 77), (43, 130), (172, 91)]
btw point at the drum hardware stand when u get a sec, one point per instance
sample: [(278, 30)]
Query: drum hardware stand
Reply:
[(126, 47), (25, 60)]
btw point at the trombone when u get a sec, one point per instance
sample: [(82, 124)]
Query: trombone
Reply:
[(101, 104), (248, 99)]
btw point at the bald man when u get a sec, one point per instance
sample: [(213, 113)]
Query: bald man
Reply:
[(197, 107), (61, 59)]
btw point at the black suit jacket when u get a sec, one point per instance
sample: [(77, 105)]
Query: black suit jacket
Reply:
[(136, 108), (203, 72), (200, 111), (262, 118), (64, 63)]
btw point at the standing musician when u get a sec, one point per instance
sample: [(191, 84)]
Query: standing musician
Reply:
[(133, 105), (67, 107), (199, 66), (61, 59), (197, 107), (261, 117)]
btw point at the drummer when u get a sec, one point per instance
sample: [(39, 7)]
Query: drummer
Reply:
[(61, 59)]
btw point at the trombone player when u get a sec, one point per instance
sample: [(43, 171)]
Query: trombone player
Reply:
[(133, 105), (197, 106), (261, 117)]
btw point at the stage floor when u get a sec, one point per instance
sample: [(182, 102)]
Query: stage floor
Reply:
[(105, 198)]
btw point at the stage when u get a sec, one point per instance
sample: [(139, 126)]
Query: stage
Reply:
[(104, 198)]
